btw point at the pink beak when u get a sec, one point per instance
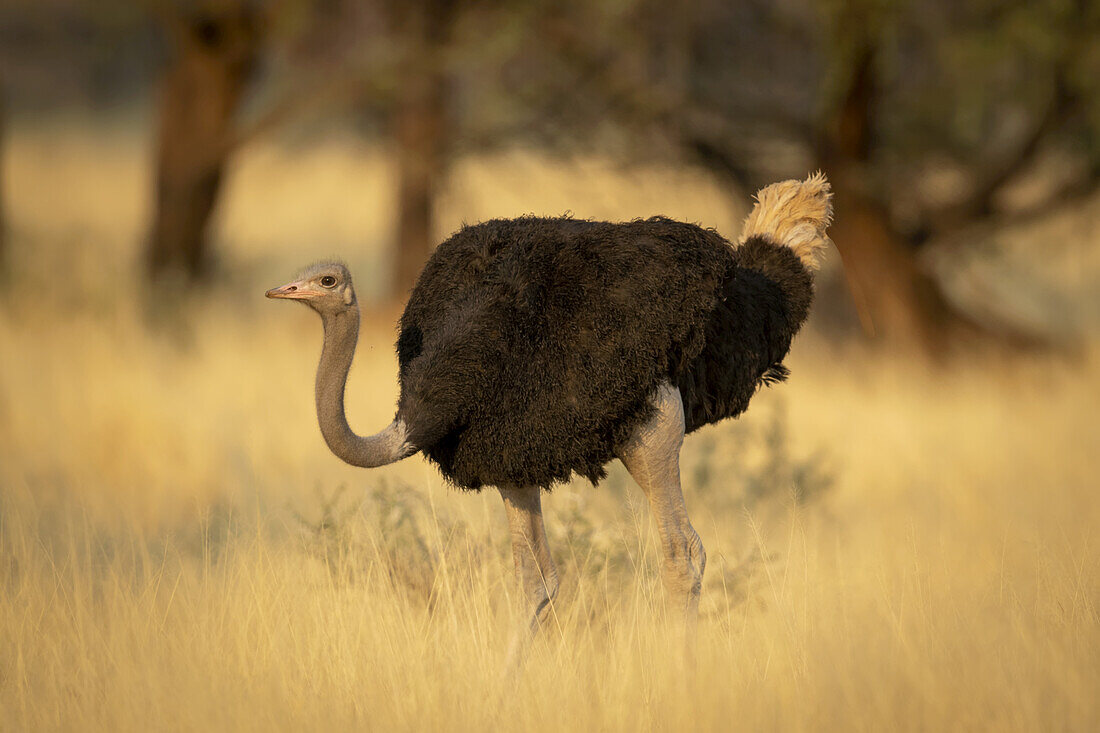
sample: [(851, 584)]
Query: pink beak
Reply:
[(294, 291)]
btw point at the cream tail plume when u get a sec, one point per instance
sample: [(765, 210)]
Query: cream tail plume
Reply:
[(794, 214)]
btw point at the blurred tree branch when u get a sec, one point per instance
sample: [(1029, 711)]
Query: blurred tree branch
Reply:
[(991, 178), (734, 95)]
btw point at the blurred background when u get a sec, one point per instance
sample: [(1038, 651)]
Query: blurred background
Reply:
[(900, 537), (194, 139)]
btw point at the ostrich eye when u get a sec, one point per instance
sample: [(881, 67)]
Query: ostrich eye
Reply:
[(328, 281)]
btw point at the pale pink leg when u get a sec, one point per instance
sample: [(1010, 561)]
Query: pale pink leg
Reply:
[(652, 456), (535, 571)]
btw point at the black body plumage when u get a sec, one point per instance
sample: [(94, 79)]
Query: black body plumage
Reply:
[(529, 347)]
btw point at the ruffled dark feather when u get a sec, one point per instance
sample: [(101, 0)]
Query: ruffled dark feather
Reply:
[(529, 347)]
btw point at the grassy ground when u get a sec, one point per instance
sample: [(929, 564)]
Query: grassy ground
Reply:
[(890, 548)]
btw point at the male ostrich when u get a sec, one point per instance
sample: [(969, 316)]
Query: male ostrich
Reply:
[(532, 349)]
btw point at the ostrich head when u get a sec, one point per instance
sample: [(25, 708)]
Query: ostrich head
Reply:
[(325, 287)]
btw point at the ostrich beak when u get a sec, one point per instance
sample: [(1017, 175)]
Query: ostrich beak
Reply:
[(295, 291)]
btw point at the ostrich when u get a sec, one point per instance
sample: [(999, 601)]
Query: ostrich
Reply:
[(533, 349)]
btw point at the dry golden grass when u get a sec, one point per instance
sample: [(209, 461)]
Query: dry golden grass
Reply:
[(891, 549)]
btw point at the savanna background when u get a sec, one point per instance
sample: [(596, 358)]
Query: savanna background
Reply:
[(902, 537)]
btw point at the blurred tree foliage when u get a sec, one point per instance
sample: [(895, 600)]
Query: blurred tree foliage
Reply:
[(435, 77), (424, 74), (929, 116)]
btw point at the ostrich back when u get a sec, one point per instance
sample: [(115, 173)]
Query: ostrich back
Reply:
[(529, 348)]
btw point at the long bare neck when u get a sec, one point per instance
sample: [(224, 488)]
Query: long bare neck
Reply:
[(387, 446)]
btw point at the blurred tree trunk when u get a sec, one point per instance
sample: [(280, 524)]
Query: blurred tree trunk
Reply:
[(898, 302), (3, 191), (421, 134), (215, 49)]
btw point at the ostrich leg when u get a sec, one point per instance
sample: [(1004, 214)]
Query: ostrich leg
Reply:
[(535, 571), (652, 455)]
